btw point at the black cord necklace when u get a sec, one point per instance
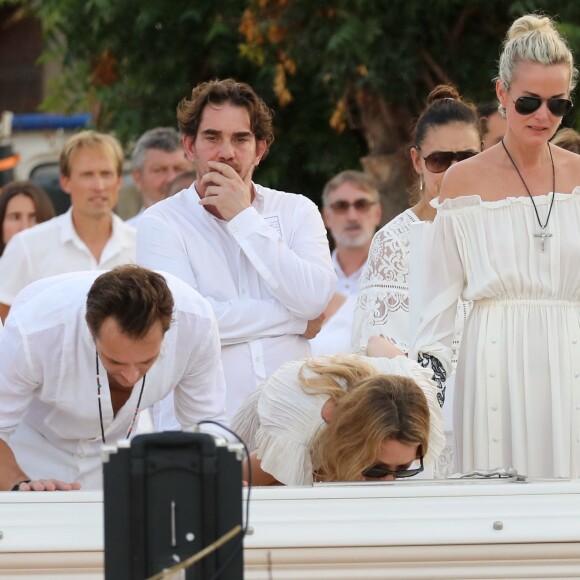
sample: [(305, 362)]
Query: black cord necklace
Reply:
[(543, 235), (131, 427)]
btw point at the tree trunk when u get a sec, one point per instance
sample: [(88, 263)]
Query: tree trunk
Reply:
[(387, 130), (390, 173)]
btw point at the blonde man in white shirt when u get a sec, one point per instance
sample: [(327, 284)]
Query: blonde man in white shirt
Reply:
[(260, 256), (89, 236), (82, 354)]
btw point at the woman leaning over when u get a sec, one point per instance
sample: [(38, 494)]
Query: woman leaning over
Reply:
[(507, 225), (447, 131), (342, 418)]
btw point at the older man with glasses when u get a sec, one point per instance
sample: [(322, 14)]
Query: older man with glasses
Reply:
[(352, 211)]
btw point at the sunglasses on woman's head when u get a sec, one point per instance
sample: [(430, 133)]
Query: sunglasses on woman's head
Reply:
[(528, 105), (378, 471), (440, 161)]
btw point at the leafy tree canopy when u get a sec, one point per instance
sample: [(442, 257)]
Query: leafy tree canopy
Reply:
[(345, 77)]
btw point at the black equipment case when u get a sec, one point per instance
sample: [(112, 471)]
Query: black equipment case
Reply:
[(167, 496)]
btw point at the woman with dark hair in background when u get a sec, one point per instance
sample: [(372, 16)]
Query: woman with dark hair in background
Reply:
[(22, 205), (446, 132)]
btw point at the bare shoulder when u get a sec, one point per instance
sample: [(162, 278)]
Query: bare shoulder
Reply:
[(567, 169), (466, 177)]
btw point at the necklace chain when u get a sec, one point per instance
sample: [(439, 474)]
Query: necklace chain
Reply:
[(99, 388), (543, 227)]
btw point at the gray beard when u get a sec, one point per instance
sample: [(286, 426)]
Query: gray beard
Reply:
[(357, 241)]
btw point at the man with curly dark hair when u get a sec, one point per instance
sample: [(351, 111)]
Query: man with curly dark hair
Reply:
[(260, 256)]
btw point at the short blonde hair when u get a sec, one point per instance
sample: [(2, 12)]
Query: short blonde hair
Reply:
[(370, 408), (534, 38), (91, 140)]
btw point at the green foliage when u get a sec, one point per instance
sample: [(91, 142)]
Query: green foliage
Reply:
[(137, 59), (130, 62)]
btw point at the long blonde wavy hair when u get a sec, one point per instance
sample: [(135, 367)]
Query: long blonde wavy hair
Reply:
[(369, 408)]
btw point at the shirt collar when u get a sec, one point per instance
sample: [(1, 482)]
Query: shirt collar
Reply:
[(120, 233), (339, 271), (67, 230)]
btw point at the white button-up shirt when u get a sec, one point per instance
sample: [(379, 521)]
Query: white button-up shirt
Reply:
[(49, 410), (266, 273), (336, 334), (54, 247), (346, 285)]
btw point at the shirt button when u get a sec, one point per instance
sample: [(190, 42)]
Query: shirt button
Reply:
[(578, 406), (495, 439), (494, 407), (574, 340), (492, 374), (494, 340), (576, 374)]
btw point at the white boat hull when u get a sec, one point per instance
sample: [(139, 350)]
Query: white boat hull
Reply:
[(411, 530)]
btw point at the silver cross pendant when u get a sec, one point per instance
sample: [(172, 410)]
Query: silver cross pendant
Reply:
[(543, 235)]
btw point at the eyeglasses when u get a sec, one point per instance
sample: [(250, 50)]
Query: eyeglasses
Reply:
[(528, 105), (440, 161), (378, 471), (342, 206)]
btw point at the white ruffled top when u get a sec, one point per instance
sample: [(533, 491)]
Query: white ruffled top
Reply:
[(280, 420)]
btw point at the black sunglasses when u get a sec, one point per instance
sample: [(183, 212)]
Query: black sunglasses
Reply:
[(440, 161), (342, 206), (528, 105), (378, 471)]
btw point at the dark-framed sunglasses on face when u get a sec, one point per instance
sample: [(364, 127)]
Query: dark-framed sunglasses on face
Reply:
[(528, 105), (342, 206), (440, 161), (378, 471)]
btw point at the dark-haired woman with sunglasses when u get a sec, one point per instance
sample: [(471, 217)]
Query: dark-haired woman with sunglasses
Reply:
[(447, 132), (343, 418), (507, 224)]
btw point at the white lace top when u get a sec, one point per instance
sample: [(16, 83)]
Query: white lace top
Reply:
[(383, 302)]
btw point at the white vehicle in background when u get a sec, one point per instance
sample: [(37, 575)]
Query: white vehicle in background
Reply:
[(37, 139)]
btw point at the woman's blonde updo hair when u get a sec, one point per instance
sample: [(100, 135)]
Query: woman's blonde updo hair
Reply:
[(534, 38)]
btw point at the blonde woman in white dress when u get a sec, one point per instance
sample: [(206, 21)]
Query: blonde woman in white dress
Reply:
[(342, 418), (507, 228)]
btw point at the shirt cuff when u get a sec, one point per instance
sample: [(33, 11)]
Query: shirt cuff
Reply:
[(247, 222)]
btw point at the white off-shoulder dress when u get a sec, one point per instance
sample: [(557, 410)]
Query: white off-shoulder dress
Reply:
[(280, 420), (517, 388)]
